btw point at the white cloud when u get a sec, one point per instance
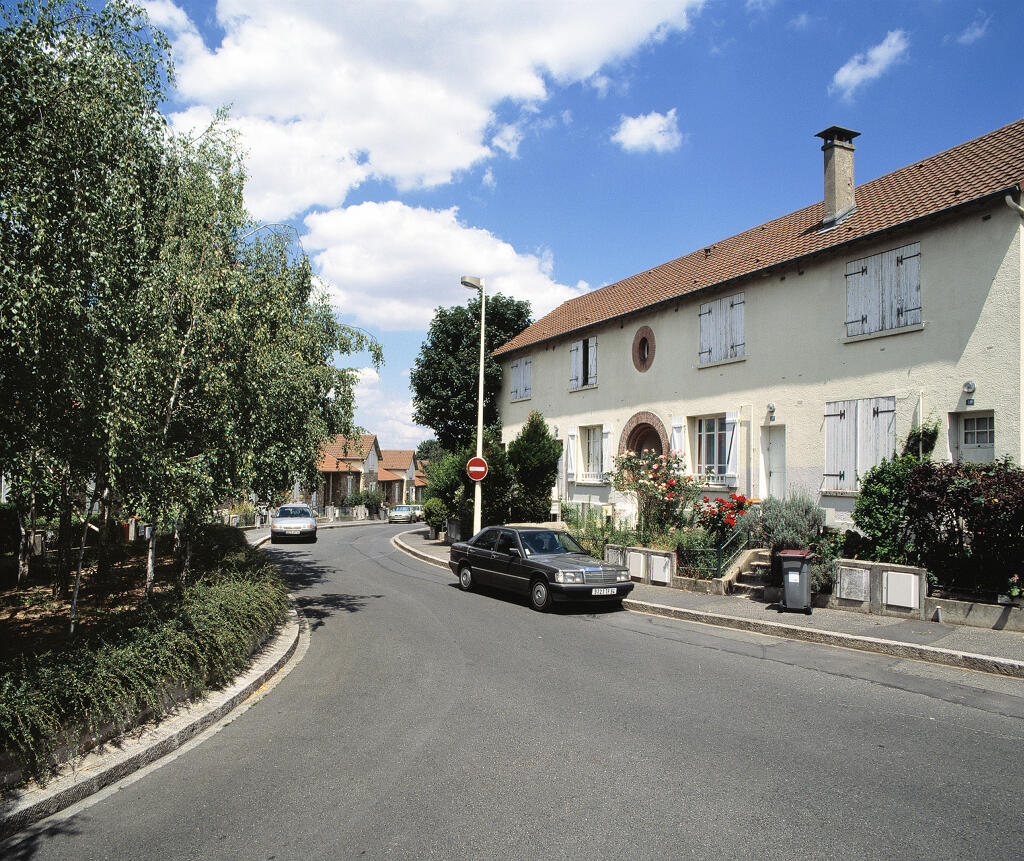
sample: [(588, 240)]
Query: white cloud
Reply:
[(975, 30), (386, 415), (800, 22), (862, 68), (651, 132), (389, 265), (329, 93)]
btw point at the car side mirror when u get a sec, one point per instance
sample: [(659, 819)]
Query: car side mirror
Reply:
[(514, 551)]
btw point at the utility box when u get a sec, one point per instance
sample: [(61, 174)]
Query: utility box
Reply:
[(796, 580)]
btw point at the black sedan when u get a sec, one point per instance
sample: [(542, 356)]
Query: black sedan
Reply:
[(546, 564)]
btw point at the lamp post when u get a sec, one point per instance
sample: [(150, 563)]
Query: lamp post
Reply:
[(472, 283)]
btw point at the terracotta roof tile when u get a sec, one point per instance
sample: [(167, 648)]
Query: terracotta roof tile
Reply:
[(397, 459), (345, 449), (965, 173), (387, 475)]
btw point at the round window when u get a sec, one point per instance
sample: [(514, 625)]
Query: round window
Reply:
[(643, 348)]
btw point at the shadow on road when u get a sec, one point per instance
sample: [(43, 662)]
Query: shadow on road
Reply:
[(559, 608), (27, 844), (317, 608)]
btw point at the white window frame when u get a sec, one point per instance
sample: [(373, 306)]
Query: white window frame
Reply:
[(583, 364), (722, 330), (883, 292), (859, 434), (720, 432), (976, 432), (592, 466)]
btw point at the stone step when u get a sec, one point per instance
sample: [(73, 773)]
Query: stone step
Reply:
[(748, 590), (756, 577)]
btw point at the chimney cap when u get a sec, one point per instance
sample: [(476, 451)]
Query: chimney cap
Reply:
[(837, 133)]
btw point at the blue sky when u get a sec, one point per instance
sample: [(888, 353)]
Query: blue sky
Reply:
[(555, 147)]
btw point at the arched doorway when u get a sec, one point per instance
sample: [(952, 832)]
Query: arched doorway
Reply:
[(644, 431)]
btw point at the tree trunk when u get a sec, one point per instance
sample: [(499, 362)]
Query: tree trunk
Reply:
[(24, 550), (151, 563), (103, 554), (81, 557), (61, 575)]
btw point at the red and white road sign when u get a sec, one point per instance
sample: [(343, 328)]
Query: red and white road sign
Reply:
[(476, 468)]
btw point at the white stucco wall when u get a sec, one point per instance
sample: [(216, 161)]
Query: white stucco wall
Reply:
[(798, 357)]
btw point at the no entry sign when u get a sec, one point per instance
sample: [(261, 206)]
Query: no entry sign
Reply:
[(476, 468)]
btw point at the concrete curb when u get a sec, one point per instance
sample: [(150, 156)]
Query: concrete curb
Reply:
[(949, 657), (118, 758), (397, 542)]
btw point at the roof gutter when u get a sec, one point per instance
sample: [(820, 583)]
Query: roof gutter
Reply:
[(767, 270)]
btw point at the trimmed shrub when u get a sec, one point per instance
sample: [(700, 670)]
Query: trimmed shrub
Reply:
[(198, 638), (880, 511), (793, 523), (435, 513)]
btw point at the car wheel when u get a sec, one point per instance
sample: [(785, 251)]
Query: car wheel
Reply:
[(465, 578), (540, 595), (273, 539), (312, 540)]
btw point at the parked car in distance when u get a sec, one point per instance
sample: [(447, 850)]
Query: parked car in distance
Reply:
[(418, 511), (401, 514), (293, 521), (546, 564)]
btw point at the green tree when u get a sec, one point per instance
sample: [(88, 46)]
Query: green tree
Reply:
[(445, 376), (534, 456), (428, 450), (80, 155), (448, 481)]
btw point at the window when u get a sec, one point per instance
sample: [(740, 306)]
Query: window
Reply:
[(721, 329), (583, 364), (858, 435), (717, 448), (883, 292), (486, 539), (506, 543), (980, 430), (590, 438), (520, 383)]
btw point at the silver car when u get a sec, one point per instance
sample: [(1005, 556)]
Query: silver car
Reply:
[(293, 522), (402, 514)]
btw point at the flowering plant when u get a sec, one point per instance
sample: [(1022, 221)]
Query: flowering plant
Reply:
[(1016, 587), (659, 482), (719, 516)]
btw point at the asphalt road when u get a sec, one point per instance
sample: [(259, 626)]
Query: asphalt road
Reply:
[(427, 723)]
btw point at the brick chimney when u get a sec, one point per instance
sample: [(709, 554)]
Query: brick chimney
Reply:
[(839, 194)]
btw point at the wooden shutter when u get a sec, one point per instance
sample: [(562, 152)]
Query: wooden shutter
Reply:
[(732, 448), (706, 316), (734, 338), (570, 456), (876, 432), (515, 376), (905, 292), (592, 363), (863, 296), (526, 378), (575, 365), (840, 445), (606, 450)]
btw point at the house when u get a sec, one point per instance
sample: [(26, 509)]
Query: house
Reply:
[(798, 354), (348, 465), (403, 472)]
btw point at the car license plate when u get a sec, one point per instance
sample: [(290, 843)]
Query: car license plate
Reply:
[(603, 590), (292, 532)]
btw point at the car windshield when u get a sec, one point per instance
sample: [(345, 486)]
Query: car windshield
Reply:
[(549, 542), (293, 511), (402, 508)]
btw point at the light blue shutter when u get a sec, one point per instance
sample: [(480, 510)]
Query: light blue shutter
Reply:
[(515, 375), (678, 438), (732, 449), (570, 456), (592, 363), (526, 380), (575, 365), (876, 432), (606, 450), (840, 445), (735, 339), (705, 315)]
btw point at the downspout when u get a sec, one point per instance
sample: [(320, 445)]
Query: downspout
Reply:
[(1010, 202)]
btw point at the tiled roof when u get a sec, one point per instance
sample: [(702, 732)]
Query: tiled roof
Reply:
[(345, 449), (396, 459), (965, 173), (387, 475)]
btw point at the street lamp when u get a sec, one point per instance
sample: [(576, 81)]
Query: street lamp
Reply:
[(472, 283)]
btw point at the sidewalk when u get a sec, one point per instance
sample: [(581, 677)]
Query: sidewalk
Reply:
[(1000, 652)]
